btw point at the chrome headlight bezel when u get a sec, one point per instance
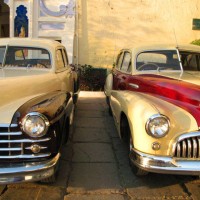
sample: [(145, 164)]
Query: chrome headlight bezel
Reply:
[(156, 120), (40, 127)]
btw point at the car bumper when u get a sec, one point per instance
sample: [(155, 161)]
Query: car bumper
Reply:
[(27, 172), (166, 165)]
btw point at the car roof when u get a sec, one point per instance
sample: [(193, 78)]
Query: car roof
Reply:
[(183, 47), (32, 42)]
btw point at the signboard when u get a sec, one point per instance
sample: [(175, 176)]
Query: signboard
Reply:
[(196, 24)]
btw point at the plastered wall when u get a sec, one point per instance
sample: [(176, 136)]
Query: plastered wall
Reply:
[(106, 26)]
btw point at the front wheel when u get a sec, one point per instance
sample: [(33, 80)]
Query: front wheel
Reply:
[(127, 137), (108, 103), (52, 179)]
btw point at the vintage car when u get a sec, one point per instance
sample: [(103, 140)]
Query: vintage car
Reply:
[(153, 94), (38, 92)]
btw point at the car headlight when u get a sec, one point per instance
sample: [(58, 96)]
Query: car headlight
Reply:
[(35, 124), (158, 126)]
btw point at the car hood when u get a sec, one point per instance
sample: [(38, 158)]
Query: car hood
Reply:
[(18, 89), (187, 76), (181, 89)]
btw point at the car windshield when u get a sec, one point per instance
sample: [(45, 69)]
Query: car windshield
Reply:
[(190, 60), (27, 57), (2, 52), (158, 60)]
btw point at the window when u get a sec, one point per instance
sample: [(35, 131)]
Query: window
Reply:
[(2, 52), (190, 61), (27, 57), (59, 59), (119, 60), (65, 57), (158, 60), (126, 64)]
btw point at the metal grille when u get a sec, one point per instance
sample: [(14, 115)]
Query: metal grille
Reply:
[(14, 145), (188, 148)]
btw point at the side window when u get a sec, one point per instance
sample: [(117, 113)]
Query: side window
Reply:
[(190, 61), (119, 60), (65, 58), (126, 63), (2, 52), (59, 59)]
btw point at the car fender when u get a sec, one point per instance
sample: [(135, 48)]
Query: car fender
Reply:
[(53, 105), (108, 84), (138, 108)]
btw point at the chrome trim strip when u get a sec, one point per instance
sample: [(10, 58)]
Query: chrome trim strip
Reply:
[(10, 133), (31, 156), (25, 141), (178, 148), (194, 150), (135, 86), (24, 172), (10, 149), (164, 164), (189, 148), (8, 125), (199, 146), (184, 149)]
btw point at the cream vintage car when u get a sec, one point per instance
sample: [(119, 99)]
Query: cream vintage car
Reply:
[(38, 92), (153, 94)]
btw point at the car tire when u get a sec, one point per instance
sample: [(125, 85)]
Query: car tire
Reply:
[(127, 138), (76, 88), (52, 179), (66, 130), (109, 108)]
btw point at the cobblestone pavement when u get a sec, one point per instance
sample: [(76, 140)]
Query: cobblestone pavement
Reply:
[(94, 166)]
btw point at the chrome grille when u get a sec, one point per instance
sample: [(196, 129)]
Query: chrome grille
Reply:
[(15, 145), (188, 148)]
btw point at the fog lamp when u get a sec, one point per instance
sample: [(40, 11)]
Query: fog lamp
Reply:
[(156, 146)]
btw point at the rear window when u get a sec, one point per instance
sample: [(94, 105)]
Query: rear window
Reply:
[(27, 57)]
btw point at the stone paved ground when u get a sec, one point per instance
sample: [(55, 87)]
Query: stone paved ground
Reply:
[(95, 173)]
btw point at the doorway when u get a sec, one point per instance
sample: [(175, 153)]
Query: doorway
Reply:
[(4, 20)]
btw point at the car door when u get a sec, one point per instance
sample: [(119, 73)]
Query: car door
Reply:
[(122, 75), (63, 70)]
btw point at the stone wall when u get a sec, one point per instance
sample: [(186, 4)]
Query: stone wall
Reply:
[(106, 26)]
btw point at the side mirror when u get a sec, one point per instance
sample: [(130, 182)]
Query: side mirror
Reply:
[(73, 67)]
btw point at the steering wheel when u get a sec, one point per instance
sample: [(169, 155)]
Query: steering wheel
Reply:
[(148, 66), (42, 64)]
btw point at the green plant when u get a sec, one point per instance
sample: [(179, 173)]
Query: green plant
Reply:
[(196, 42), (92, 79)]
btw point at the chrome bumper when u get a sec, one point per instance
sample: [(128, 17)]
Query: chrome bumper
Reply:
[(165, 165), (27, 172)]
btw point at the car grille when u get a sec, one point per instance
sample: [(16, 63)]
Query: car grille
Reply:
[(188, 148), (15, 145)]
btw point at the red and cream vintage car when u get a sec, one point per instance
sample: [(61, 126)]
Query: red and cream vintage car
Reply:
[(38, 92), (153, 94)]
